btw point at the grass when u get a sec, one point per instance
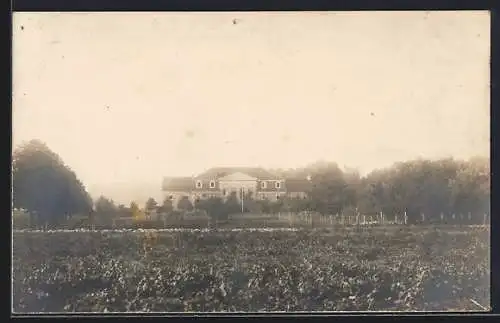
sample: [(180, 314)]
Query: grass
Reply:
[(323, 269)]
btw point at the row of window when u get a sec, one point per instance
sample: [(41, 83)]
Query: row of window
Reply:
[(199, 184), (276, 185)]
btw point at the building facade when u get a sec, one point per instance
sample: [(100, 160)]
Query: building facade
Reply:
[(249, 183)]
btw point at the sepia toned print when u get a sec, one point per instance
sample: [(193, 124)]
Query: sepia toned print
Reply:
[(251, 162)]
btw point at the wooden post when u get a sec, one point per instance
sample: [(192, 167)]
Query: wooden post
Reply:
[(406, 218), (484, 220), (423, 218)]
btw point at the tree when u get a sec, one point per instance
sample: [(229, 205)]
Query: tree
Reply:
[(275, 206), (151, 204), (45, 186), (150, 207), (166, 208), (105, 208), (431, 188), (123, 211), (232, 204), (185, 204), (264, 206), (136, 212), (328, 192), (215, 208)]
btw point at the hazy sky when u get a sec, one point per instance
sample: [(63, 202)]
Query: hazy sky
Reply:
[(131, 97)]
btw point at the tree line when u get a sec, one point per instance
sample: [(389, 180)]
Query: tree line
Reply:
[(435, 189)]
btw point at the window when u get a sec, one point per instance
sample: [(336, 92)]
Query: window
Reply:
[(199, 184), (170, 197), (277, 197), (224, 192), (212, 184), (263, 197), (277, 184), (263, 185)]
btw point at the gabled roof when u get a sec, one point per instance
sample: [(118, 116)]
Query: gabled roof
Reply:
[(177, 184), (217, 172)]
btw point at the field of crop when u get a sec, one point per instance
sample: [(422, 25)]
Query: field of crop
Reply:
[(336, 269)]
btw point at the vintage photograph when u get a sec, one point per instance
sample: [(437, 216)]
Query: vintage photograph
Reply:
[(244, 162)]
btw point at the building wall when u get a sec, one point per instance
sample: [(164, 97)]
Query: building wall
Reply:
[(204, 195), (270, 186), (235, 186), (271, 196), (301, 195), (233, 183)]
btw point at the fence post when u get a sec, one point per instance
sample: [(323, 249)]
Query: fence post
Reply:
[(406, 218)]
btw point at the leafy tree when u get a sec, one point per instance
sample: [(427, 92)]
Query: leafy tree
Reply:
[(135, 211), (215, 208), (427, 187), (123, 211), (166, 207), (150, 206), (45, 186), (185, 204), (276, 206), (232, 204), (328, 190), (264, 205), (105, 208)]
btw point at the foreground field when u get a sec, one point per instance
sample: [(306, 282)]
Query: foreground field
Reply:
[(344, 269)]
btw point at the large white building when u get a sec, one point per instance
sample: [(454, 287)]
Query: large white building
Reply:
[(254, 183)]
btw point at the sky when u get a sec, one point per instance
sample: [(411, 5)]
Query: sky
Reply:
[(127, 98)]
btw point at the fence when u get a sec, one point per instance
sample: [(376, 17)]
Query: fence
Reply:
[(318, 220), (277, 220)]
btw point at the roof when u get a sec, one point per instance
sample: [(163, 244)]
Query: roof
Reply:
[(217, 172), (177, 184), (298, 185)]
